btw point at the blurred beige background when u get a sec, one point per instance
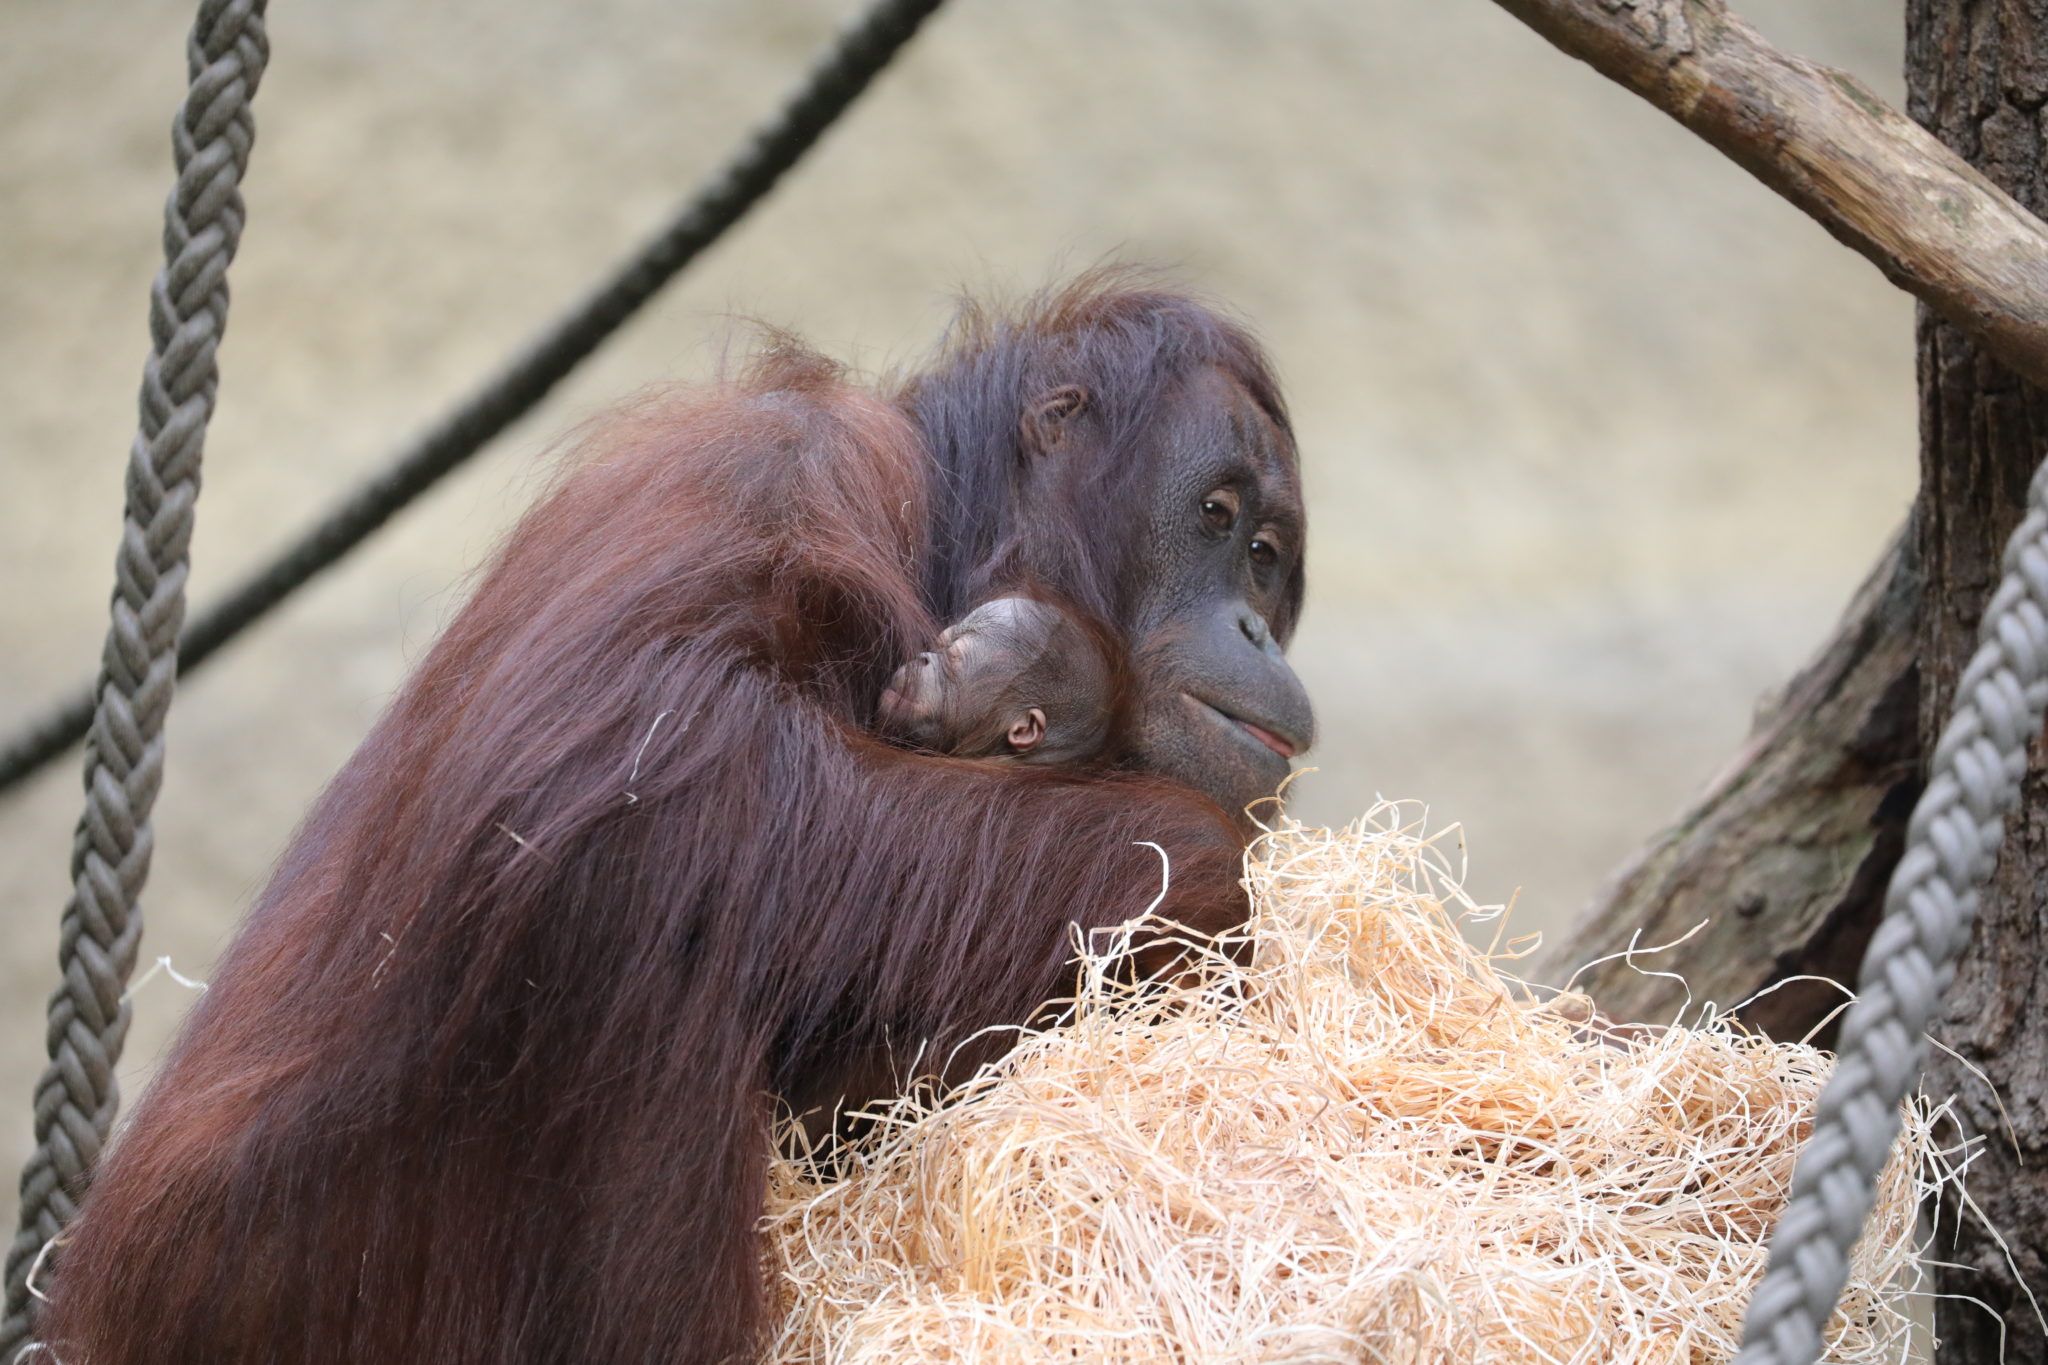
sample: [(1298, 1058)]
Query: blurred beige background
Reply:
[(1599, 434)]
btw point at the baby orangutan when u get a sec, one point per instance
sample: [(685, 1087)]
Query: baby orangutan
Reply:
[(1015, 678)]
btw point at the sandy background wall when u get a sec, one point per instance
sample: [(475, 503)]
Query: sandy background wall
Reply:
[(1599, 435)]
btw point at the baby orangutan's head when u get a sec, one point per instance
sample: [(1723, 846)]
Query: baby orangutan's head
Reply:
[(1014, 678)]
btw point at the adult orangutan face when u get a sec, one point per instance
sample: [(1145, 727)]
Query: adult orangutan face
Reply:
[(1219, 708), (1215, 576)]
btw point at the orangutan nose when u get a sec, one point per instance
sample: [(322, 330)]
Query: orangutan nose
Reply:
[(1255, 629)]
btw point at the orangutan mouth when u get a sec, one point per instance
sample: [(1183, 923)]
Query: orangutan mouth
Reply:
[(1282, 747)]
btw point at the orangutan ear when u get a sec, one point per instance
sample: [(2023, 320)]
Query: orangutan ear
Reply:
[(1024, 736), (1046, 417)]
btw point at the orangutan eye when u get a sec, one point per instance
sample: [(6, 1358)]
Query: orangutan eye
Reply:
[(1265, 553), (1219, 510)]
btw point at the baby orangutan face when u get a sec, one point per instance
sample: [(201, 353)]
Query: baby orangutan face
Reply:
[(1014, 678)]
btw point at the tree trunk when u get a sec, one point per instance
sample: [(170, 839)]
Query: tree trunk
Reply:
[(1977, 77)]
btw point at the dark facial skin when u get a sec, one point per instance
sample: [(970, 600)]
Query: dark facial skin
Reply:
[(1218, 707), (1214, 702), (1015, 678)]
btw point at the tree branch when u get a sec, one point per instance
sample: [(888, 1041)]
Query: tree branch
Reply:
[(1880, 183)]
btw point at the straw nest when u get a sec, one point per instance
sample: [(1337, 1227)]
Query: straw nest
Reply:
[(1372, 1144)]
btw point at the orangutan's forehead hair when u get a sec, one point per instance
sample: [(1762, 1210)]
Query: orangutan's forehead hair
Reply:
[(1123, 337)]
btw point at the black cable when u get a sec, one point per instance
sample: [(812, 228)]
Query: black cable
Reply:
[(859, 55)]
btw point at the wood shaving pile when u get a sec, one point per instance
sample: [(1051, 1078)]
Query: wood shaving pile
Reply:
[(1371, 1144)]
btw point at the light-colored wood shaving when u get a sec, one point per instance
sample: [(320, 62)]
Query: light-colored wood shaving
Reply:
[(1371, 1144)]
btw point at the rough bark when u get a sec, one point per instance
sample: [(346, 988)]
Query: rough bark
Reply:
[(1931, 223), (1977, 76)]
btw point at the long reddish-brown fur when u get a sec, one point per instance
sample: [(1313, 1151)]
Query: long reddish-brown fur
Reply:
[(488, 1075)]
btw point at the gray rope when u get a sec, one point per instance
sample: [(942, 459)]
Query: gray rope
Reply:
[(1952, 845), (188, 309), (846, 70)]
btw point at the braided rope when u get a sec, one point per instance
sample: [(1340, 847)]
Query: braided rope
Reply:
[(1952, 845), (840, 76), (188, 308)]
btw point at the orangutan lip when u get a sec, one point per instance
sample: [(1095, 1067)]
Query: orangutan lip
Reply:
[(1258, 732)]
